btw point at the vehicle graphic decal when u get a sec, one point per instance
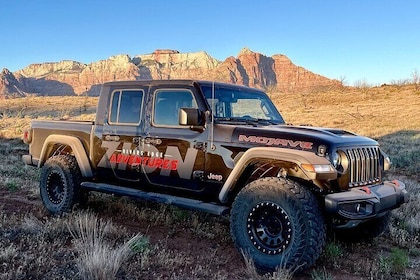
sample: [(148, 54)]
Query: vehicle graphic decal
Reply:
[(148, 159), (275, 141)]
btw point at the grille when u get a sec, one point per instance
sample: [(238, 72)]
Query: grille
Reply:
[(363, 166)]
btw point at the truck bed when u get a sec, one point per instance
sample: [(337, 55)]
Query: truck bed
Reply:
[(41, 129), (74, 125)]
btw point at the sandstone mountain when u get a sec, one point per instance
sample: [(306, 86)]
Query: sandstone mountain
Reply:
[(74, 78), (9, 85)]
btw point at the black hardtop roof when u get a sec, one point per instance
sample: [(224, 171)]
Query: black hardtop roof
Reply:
[(174, 82), (148, 82)]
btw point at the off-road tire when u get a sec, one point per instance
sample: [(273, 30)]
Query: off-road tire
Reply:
[(278, 223), (60, 184)]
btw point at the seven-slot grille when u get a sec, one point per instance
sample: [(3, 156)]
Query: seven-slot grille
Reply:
[(363, 166)]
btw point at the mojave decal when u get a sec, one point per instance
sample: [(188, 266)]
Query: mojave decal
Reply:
[(270, 141)]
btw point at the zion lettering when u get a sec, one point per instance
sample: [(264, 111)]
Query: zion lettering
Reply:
[(135, 156)]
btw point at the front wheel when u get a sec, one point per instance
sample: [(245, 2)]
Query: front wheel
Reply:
[(60, 183), (277, 223)]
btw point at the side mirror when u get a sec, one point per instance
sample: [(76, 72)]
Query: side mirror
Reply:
[(189, 116)]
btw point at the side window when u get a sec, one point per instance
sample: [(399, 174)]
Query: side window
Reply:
[(167, 103), (126, 107)]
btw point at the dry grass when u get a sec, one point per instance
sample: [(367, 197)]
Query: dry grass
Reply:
[(98, 257), (382, 111), (16, 114), (170, 243), (34, 249), (405, 230), (388, 114), (252, 272)]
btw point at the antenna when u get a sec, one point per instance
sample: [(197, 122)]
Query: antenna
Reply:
[(212, 146)]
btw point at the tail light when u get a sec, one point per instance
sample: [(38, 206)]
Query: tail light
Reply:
[(27, 136)]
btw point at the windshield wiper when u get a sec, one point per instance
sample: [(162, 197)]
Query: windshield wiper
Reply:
[(247, 120), (273, 122), (233, 120)]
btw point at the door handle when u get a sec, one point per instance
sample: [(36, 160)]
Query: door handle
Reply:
[(109, 137), (151, 140)]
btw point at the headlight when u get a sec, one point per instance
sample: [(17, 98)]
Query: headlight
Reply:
[(340, 161), (334, 158), (387, 161)]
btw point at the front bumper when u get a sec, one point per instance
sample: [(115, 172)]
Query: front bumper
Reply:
[(363, 203)]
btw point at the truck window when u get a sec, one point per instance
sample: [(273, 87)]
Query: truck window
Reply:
[(250, 107), (167, 103), (126, 107), (239, 103)]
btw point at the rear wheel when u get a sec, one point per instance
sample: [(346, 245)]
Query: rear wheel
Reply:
[(60, 183), (278, 223)]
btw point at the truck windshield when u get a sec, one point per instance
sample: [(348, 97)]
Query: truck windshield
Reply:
[(241, 105)]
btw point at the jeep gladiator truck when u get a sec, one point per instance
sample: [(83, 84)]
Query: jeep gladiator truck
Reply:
[(222, 149)]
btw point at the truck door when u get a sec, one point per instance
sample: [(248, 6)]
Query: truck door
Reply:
[(120, 135), (177, 153)]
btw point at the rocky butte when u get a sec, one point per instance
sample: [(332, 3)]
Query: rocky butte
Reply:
[(9, 85), (74, 78)]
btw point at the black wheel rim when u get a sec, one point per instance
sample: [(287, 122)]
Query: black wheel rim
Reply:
[(55, 187), (269, 228)]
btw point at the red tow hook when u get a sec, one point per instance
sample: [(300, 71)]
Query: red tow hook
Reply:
[(366, 190), (396, 182)]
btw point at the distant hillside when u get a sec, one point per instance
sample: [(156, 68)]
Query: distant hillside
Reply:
[(74, 78), (9, 86)]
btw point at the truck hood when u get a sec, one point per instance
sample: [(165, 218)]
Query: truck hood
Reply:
[(298, 137)]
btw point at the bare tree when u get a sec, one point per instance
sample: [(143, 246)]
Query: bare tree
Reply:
[(363, 86), (342, 80), (415, 79)]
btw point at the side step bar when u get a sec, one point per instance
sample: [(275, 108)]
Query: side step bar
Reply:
[(182, 202)]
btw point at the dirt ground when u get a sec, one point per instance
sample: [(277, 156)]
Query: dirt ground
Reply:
[(214, 256)]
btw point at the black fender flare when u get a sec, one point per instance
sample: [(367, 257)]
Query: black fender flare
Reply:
[(77, 147), (301, 159)]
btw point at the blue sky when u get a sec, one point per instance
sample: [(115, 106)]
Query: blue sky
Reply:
[(377, 41)]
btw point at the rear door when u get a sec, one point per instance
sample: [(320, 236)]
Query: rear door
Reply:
[(121, 132)]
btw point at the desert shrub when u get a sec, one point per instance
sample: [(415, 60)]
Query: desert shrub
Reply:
[(403, 151), (8, 252), (399, 259), (408, 161), (31, 249), (321, 274), (405, 226), (11, 185), (393, 264), (415, 252), (99, 258), (332, 253), (251, 272)]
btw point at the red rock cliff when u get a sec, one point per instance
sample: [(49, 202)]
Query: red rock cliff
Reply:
[(248, 68)]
